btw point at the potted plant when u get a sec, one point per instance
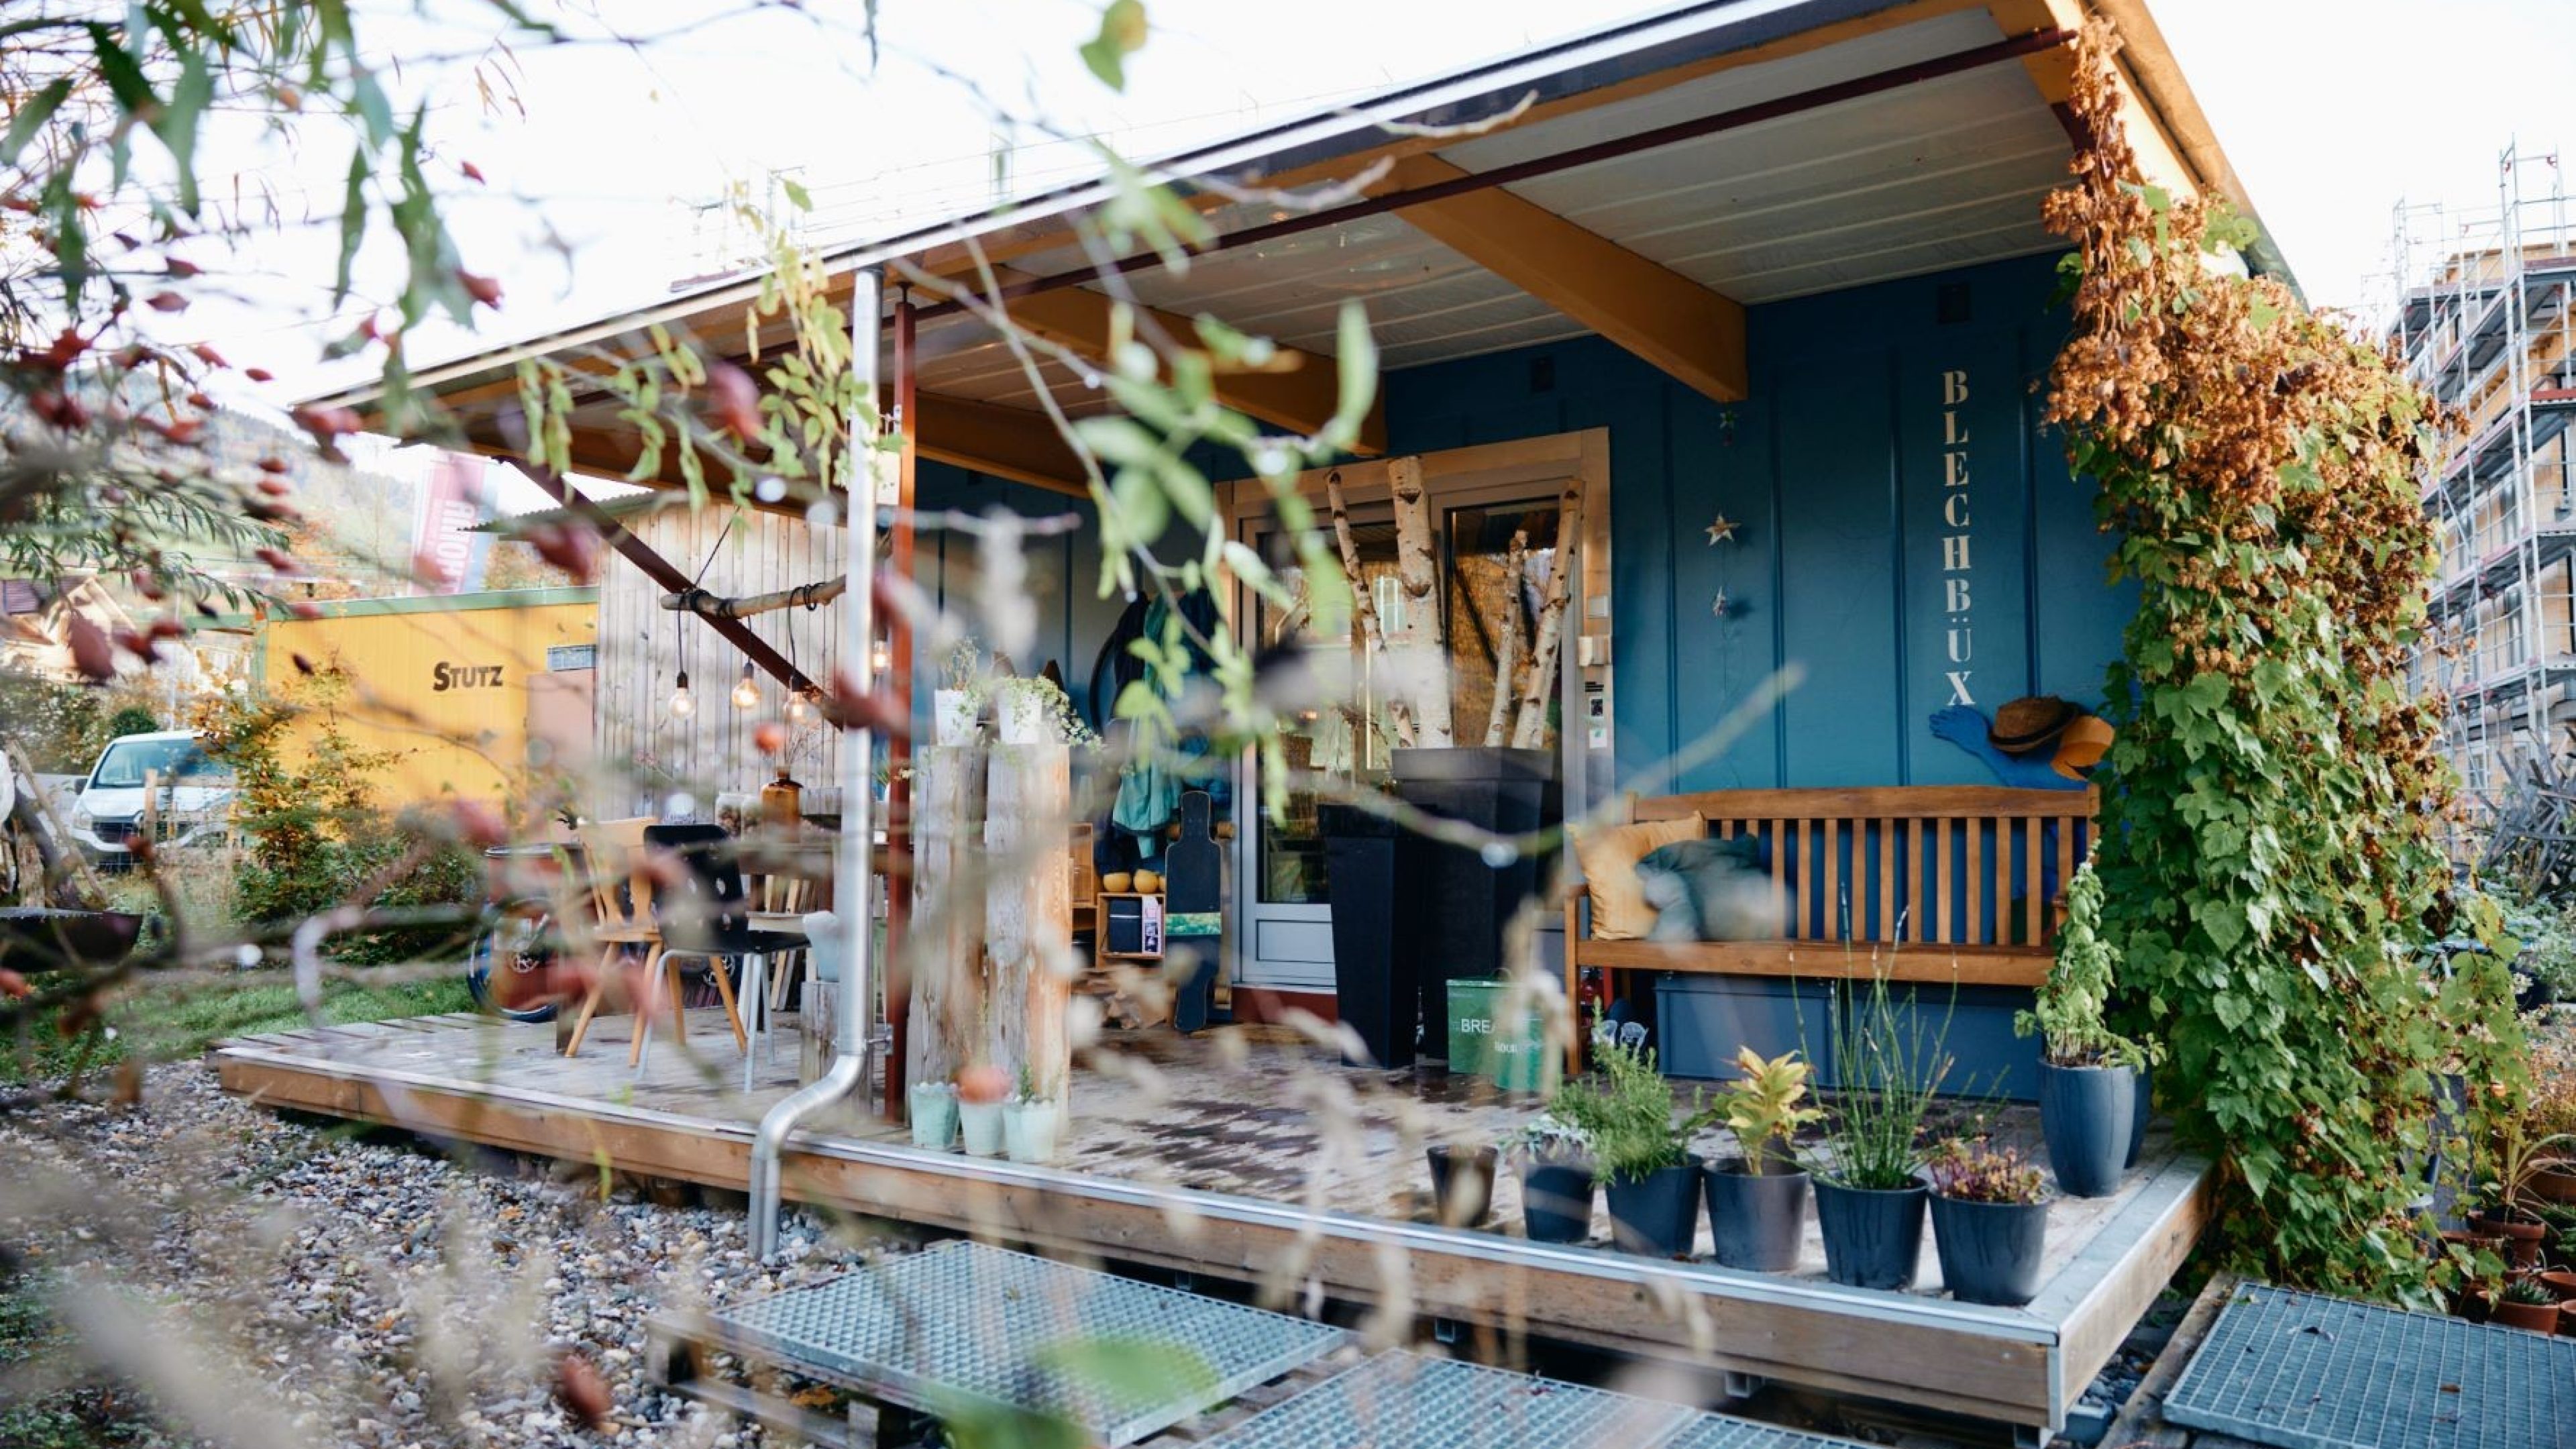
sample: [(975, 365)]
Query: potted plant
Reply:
[(1869, 1189), (2526, 1303), (1557, 1178), (933, 1109), (2088, 1074), (1644, 1158), (957, 705), (1757, 1203), (1989, 1221), (1030, 1120), (2513, 1156), (1033, 709), (980, 1092), (1462, 1184)]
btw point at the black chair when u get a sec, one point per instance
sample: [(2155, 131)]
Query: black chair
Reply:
[(704, 917)]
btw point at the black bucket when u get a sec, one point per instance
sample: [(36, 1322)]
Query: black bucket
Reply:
[(1462, 1185), (2084, 1113), (1990, 1251), (1756, 1222), (1873, 1236), (1657, 1216), (1556, 1200)]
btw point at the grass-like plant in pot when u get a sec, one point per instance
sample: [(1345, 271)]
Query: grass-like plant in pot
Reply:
[(2089, 1075), (1989, 1220), (1870, 1194), (1644, 1155), (1757, 1203), (1031, 1120)]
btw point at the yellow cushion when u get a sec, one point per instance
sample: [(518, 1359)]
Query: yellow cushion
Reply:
[(1609, 856)]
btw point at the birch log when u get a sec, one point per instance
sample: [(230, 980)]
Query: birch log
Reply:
[(945, 941), (1028, 912), (1507, 650), (1365, 639), (1530, 731), (1414, 645)]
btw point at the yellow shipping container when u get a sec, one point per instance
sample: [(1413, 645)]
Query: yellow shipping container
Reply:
[(458, 685)]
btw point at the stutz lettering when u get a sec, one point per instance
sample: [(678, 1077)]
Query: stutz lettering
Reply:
[(1957, 599), (444, 676)]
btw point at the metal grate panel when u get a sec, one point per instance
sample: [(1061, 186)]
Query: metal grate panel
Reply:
[(1721, 1431), (1405, 1401), (963, 1324), (2304, 1371)]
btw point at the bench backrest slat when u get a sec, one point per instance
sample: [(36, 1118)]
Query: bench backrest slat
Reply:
[(1958, 865)]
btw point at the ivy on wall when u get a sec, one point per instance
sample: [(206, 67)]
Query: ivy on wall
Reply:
[(2269, 850)]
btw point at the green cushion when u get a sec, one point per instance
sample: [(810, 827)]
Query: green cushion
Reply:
[(1708, 890)]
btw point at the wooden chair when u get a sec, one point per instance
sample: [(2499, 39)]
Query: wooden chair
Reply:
[(621, 905)]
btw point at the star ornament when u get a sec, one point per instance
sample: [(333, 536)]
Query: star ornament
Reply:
[(1722, 531)]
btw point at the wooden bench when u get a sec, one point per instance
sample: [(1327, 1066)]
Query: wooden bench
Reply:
[(1946, 884)]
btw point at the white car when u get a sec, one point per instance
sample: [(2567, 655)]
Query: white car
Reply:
[(196, 795)]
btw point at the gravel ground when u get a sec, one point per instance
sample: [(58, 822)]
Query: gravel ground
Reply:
[(293, 1283)]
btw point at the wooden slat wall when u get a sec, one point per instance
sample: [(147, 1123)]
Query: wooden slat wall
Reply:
[(644, 753)]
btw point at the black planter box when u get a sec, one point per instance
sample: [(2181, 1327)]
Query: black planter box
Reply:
[(1375, 986), (1455, 904)]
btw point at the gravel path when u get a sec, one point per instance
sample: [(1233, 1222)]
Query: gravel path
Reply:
[(281, 1282)]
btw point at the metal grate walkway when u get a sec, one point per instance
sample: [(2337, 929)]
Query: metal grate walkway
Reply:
[(1402, 1400), (2304, 1371), (963, 1326)]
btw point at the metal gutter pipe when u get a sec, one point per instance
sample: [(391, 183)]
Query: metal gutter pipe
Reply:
[(853, 872)]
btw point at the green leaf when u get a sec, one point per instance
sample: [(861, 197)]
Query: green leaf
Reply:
[(797, 196), (353, 223), (126, 82), (1355, 367), (1122, 34), (31, 118)]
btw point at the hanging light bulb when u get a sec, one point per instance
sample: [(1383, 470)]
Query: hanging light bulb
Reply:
[(880, 657), (683, 704), (746, 690), (799, 707)]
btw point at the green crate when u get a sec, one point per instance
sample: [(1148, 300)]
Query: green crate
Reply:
[(1514, 1055)]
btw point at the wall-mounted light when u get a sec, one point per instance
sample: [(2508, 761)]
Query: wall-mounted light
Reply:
[(746, 690), (683, 703)]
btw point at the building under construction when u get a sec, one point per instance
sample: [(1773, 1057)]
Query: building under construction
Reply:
[(2485, 318)]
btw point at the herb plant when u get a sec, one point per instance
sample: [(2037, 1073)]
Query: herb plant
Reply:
[(1626, 1114), (2068, 1014), (1973, 1169)]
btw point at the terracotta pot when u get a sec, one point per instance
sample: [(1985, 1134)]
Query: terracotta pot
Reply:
[(2521, 1239), (2530, 1317), (2552, 1182), (2561, 1282)]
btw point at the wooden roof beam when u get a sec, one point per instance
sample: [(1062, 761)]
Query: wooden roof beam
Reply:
[(1683, 328), (2160, 161), (1298, 391)]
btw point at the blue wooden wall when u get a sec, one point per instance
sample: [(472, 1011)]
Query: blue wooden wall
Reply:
[(1064, 573), (1838, 472)]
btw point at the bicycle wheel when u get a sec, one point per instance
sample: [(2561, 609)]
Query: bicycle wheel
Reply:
[(509, 968)]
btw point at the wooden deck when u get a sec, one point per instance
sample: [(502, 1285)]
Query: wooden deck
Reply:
[(1248, 1155)]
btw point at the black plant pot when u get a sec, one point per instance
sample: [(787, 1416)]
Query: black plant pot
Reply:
[(1873, 1236), (1657, 1215), (1989, 1251), (2139, 1111), (1754, 1221), (1462, 1185), (2084, 1113), (1556, 1199)]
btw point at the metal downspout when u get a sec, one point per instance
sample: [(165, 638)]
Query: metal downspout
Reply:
[(853, 871)]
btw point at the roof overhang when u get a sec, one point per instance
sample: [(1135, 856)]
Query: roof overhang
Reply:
[(1644, 183)]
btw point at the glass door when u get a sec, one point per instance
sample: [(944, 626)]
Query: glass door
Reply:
[(1283, 935)]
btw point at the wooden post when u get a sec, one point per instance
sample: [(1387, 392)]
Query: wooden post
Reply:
[(1417, 647), (945, 946), (1530, 730), (1028, 911)]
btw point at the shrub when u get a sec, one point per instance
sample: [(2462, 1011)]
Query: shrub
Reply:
[(1625, 1114), (2268, 845), (1974, 1170)]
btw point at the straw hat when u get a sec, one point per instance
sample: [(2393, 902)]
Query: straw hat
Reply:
[(2023, 726), (2085, 740)]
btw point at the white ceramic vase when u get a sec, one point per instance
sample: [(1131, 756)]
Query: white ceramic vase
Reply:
[(980, 1124), (953, 716), (1025, 716), (1029, 1129)]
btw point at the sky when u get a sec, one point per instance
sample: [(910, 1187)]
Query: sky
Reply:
[(603, 162)]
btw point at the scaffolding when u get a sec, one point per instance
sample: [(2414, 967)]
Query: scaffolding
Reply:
[(2484, 317)]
